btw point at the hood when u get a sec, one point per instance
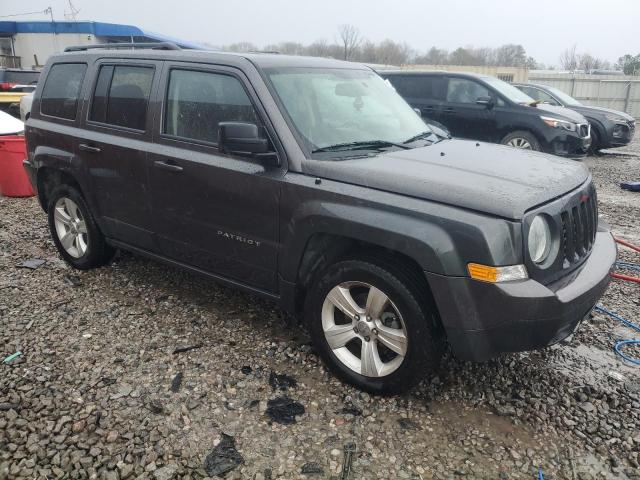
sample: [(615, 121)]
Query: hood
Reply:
[(561, 113), (494, 179), (588, 110)]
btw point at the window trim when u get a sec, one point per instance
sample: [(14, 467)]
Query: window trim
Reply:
[(195, 141), (92, 93), (77, 115)]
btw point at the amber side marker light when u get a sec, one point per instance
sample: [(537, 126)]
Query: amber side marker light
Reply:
[(485, 273)]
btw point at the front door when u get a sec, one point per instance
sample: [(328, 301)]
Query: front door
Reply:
[(213, 211), (462, 115)]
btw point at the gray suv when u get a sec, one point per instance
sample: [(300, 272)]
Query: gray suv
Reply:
[(311, 182)]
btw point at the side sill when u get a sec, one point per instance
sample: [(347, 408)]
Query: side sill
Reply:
[(174, 263)]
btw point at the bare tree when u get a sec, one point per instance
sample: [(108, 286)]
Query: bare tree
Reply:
[(349, 38), (569, 59), (319, 48)]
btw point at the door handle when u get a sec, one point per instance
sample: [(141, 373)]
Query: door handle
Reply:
[(88, 148), (169, 167), (449, 110)]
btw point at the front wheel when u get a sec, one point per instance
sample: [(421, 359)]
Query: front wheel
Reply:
[(373, 326), (74, 231), (523, 140)]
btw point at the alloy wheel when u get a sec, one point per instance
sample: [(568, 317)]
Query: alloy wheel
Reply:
[(364, 329), (71, 228), (519, 142)]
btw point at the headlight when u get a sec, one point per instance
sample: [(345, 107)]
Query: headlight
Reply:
[(539, 240), (557, 123), (615, 118)]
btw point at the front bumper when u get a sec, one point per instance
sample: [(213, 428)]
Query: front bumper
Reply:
[(569, 145), (482, 320)]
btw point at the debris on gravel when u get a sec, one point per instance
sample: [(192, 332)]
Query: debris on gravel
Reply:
[(91, 396)]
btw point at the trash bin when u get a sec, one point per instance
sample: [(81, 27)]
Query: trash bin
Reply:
[(13, 178)]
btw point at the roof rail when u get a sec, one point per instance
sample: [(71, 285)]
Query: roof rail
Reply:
[(151, 45)]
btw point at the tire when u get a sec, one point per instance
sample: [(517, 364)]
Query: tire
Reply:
[(407, 312), (74, 230), (520, 137), (594, 148)]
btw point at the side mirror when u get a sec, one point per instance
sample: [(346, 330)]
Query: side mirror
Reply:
[(240, 137), (486, 101)]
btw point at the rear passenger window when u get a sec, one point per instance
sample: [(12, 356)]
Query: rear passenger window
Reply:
[(198, 101), (121, 96), (415, 87), (61, 89)]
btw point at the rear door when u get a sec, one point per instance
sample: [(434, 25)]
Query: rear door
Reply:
[(117, 138), (214, 211), (462, 115), (424, 92)]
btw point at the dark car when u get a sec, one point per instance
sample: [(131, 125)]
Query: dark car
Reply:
[(609, 128), (311, 182), (485, 108), (10, 77)]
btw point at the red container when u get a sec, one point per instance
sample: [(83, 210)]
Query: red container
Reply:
[(13, 178)]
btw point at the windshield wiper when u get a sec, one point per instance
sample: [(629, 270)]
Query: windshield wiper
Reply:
[(373, 144), (419, 136)]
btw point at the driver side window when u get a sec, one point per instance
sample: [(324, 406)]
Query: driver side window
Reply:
[(462, 90)]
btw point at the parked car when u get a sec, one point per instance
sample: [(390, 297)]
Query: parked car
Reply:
[(23, 88), (609, 128), (10, 77), (485, 108), (25, 106), (311, 182)]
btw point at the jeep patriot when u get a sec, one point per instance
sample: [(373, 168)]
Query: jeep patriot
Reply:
[(313, 183)]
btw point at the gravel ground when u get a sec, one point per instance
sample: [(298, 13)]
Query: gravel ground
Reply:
[(99, 392)]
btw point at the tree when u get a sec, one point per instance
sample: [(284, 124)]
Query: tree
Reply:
[(241, 47), (629, 64), (434, 56), (510, 55), (350, 40), (319, 48), (569, 59)]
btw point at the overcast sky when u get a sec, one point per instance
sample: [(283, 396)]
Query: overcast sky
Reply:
[(606, 29)]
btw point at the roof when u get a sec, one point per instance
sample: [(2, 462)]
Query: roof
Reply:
[(262, 60), (432, 72), (99, 29)]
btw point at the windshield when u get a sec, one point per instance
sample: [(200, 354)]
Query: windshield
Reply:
[(563, 97), (509, 91), (334, 107)]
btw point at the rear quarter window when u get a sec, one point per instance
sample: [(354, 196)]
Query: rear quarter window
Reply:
[(61, 89)]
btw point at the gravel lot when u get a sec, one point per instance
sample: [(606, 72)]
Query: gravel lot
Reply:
[(99, 393)]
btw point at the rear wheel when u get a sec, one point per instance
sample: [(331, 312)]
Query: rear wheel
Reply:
[(74, 231), (371, 326), (523, 140)]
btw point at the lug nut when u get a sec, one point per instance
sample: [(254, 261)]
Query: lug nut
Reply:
[(357, 317), (368, 319), (366, 339), (374, 331)]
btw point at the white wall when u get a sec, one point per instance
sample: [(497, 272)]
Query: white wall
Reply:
[(46, 44)]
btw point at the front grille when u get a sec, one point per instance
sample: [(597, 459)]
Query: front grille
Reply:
[(583, 130), (579, 227)]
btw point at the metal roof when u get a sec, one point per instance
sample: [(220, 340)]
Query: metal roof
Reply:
[(99, 29)]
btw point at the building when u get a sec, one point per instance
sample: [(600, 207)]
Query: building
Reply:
[(29, 44)]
